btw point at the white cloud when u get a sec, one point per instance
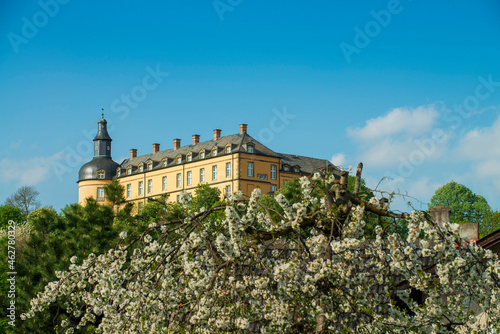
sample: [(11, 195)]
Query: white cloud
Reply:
[(401, 136), (339, 159), (397, 121), (480, 147), (27, 172), (480, 143)]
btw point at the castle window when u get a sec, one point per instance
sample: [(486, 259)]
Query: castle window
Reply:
[(100, 193), (250, 148), (228, 191), (129, 170), (164, 183), (118, 172), (273, 172), (214, 172), (165, 163), (296, 169), (286, 168), (150, 166), (129, 190), (178, 160), (250, 169), (179, 180), (189, 177), (202, 154), (228, 169), (140, 206), (202, 175), (100, 175), (141, 168), (214, 152), (189, 157), (228, 149), (273, 188), (150, 186), (141, 187)]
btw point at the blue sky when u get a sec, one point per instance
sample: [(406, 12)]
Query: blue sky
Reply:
[(410, 88)]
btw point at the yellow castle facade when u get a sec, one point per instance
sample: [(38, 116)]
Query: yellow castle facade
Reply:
[(230, 163)]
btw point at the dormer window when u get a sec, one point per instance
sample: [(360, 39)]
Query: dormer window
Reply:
[(202, 154), (165, 163), (129, 170), (141, 168), (150, 166), (250, 148), (100, 174), (286, 168), (296, 169), (118, 172), (228, 149), (178, 159), (189, 157), (214, 152)]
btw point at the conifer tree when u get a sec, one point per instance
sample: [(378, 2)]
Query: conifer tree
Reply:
[(54, 240)]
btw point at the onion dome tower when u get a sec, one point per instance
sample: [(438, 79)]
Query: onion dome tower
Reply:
[(97, 173)]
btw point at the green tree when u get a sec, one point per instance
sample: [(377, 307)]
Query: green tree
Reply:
[(115, 193), (466, 207), (8, 212), (25, 198), (54, 240), (205, 197)]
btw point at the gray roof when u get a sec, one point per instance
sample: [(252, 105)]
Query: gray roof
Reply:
[(89, 170), (238, 143), (102, 132), (306, 164)]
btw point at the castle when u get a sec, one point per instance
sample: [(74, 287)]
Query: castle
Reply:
[(230, 163)]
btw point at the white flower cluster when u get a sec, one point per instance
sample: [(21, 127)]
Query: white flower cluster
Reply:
[(303, 274)]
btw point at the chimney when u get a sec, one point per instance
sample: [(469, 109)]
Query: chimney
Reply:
[(440, 214), (216, 134), (133, 153), (177, 144), (156, 148), (243, 128), (196, 139)]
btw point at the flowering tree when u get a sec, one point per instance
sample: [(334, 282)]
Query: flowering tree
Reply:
[(308, 267)]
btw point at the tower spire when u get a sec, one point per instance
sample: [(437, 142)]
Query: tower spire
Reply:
[(102, 141)]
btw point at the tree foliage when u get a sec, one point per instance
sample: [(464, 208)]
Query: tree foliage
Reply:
[(466, 207), (25, 198), (8, 212), (313, 271), (115, 193), (52, 241)]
